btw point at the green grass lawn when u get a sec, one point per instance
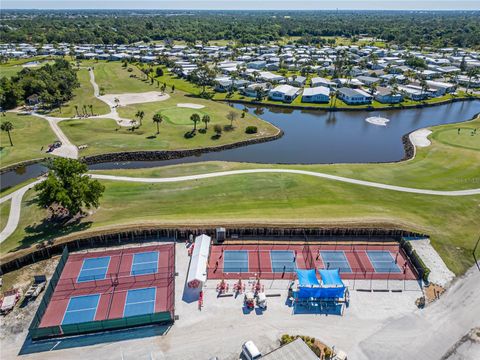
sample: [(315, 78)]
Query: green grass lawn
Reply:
[(104, 135), (4, 212), (82, 96), (29, 135), (13, 67), (452, 222), (112, 78)]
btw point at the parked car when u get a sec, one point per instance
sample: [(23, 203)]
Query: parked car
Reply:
[(250, 351)]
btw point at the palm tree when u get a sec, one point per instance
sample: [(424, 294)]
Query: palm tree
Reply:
[(157, 119), (206, 120), (76, 110), (195, 118), (85, 109), (334, 94), (140, 115), (373, 88), (133, 123), (232, 115), (7, 126), (472, 74), (424, 85), (91, 109)]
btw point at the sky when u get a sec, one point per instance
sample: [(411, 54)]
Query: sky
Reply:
[(245, 4)]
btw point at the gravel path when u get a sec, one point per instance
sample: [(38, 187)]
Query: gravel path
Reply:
[(440, 274)]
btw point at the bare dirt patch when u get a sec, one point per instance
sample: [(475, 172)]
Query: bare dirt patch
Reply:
[(190, 105), (134, 98)]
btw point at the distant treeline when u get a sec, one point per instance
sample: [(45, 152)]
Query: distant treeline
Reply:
[(438, 29), (50, 85)]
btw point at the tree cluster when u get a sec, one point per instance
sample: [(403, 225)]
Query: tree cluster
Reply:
[(51, 85), (431, 28)]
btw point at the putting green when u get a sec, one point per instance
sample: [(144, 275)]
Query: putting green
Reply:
[(466, 138), (181, 116)]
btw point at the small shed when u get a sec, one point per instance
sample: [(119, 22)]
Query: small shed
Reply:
[(197, 273)]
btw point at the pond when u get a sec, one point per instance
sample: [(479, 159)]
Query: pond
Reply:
[(314, 137)]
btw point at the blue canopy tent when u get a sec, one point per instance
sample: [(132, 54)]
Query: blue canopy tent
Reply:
[(332, 286), (307, 277), (331, 278)]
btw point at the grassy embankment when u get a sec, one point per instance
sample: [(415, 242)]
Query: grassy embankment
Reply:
[(448, 163), (29, 135), (4, 212)]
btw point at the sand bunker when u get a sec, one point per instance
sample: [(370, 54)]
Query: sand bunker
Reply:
[(190, 105), (134, 98), (420, 137), (377, 120)]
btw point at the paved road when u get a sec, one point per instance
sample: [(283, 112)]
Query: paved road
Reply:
[(15, 207), (18, 195), (430, 332)]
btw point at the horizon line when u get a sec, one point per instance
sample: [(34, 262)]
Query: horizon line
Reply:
[(226, 9)]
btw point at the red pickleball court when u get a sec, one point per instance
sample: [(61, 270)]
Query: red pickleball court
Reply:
[(378, 261), (113, 284)]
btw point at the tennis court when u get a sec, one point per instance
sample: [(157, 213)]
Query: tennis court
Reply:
[(139, 302), (94, 269), (145, 263), (283, 260), (235, 261), (335, 260), (361, 260), (383, 262), (81, 309), (113, 284)]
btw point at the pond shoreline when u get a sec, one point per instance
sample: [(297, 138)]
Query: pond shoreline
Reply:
[(173, 154), (359, 108)]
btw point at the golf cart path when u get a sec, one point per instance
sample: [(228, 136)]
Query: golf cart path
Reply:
[(123, 99), (70, 150), (15, 207), (291, 171), (17, 196)]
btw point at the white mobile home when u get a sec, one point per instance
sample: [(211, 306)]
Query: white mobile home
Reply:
[(320, 94), (354, 96), (285, 93)]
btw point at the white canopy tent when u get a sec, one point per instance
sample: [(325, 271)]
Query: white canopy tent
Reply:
[(197, 274)]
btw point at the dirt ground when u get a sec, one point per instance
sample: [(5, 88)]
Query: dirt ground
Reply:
[(15, 322), (433, 292)]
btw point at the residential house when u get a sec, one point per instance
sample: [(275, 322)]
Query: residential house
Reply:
[(354, 96), (252, 90), (320, 81), (319, 94), (285, 93), (257, 65), (386, 96), (412, 93), (297, 81)]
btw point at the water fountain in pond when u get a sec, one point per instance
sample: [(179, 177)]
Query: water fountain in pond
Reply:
[(377, 120)]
